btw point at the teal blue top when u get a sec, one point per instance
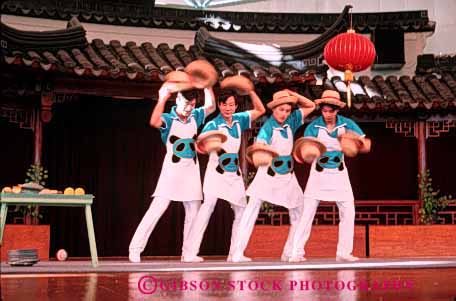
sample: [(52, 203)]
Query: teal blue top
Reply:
[(168, 119), (243, 118), (294, 121), (341, 121)]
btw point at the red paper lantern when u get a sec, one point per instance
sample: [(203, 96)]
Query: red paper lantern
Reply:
[(349, 52)]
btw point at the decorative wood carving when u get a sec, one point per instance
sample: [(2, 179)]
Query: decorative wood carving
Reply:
[(21, 115), (375, 212), (404, 127), (64, 97), (435, 128), (448, 215), (46, 107)]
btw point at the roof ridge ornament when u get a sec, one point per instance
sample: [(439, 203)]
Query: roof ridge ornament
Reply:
[(302, 57), (73, 36), (145, 14)]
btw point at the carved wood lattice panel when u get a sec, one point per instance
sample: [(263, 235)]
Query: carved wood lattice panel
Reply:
[(22, 116), (405, 127), (435, 128), (382, 212)]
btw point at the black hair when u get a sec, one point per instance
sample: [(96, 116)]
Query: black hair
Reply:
[(334, 107), (223, 97), (190, 94)]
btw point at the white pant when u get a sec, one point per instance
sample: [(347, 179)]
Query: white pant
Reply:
[(346, 227), (192, 243), (248, 222), (153, 214)]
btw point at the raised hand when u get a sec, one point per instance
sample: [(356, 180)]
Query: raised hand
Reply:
[(164, 93)]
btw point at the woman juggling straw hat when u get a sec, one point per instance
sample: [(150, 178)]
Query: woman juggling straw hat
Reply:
[(275, 182), (223, 179), (328, 179)]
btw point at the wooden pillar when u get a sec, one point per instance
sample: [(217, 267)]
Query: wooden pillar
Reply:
[(41, 114), (37, 137), (422, 160)]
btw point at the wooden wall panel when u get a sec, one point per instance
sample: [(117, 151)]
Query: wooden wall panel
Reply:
[(268, 242), (26, 237), (412, 241)]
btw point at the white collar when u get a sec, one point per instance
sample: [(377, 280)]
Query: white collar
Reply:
[(335, 128)]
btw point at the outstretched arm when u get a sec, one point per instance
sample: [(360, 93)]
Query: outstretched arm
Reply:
[(305, 105), (163, 95), (258, 107), (209, 101), (365, 144), (352, 126)]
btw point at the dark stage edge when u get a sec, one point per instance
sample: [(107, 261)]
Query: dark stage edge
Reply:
[(110, 266)]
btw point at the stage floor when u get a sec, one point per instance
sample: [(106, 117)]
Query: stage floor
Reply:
[(317, 279), (113, 266)]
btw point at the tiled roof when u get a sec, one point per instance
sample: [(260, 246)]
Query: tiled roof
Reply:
[(141, 13), (430, 63), (423, 93), (143, 62), (147, 63)]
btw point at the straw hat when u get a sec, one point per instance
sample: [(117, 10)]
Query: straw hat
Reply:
[(330, 97), (202, 74), (307, 149), (350, 143), (178, 81), (281, 97), (260, 154), (210, 140), (241, 84)]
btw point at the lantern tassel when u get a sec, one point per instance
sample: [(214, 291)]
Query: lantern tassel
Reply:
[(348, 77)]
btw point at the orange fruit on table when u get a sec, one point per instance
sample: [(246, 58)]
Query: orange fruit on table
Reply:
[(79, 191), (7, 189), (68, 190), (17, 189)]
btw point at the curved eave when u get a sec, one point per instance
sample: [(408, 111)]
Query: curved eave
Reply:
[(131, 15), (74, 36)]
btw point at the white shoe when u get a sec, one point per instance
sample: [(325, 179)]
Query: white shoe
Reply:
[(284, 258), (134, 256), (192, 258), (299, 258), (349, 258), (240, 258)]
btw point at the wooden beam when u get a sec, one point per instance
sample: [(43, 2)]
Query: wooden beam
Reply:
[(110, 88)]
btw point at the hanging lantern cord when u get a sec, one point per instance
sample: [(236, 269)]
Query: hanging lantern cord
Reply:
[(349, 73), (350, 15)]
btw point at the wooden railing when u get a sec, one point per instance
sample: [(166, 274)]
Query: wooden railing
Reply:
[(371, 212)]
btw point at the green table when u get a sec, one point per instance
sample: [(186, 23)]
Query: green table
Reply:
[(57, 200)]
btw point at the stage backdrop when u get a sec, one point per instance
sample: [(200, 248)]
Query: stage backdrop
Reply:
[(16, 153), (107, 147)]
